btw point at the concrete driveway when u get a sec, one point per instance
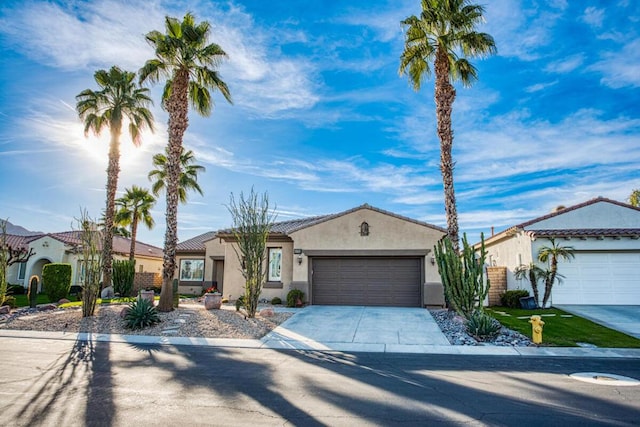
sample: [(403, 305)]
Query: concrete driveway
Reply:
[(350, 328), (623, 318)]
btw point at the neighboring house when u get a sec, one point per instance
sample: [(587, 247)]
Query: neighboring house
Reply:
[(606, 237), (65, 247), (363, 256)]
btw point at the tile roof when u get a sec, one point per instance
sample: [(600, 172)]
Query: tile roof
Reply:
[(290, 226), (587, 232), (121, 245), (196, 244), (525, 224)]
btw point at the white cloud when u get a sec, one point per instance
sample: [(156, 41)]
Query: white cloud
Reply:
[(540, 86), (622, 68), (565, 65), (593, 16)]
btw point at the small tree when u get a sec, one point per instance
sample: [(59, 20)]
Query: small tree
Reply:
[(90, 263), (463, 278), (550, 254), (534, 274), (634, 198), (252, 222)]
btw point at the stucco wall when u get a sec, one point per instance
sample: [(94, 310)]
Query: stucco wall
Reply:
[(511, 253), (386, 232)]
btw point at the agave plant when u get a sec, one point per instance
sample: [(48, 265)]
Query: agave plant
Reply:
[(141, 314)]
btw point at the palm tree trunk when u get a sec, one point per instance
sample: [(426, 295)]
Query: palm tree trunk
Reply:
[(113, 170), (134, 233), (552, 278), (445, 94), (177, 106)]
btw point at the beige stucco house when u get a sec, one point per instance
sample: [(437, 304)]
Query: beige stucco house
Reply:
[(363, 256), (605, 235), (64, 247)]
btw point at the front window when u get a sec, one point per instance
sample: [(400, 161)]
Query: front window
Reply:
[(22, 270), (275, 265), (192, 270)]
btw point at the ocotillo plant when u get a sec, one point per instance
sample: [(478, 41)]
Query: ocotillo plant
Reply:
[(462, 276)]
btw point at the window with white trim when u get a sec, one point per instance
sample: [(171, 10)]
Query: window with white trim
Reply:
[(275, 265), (22, 270)]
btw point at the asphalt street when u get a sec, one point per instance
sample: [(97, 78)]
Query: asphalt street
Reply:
[(73, 383)]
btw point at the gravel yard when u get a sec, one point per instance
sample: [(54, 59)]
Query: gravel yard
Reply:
[(189, 320), (192, 320)]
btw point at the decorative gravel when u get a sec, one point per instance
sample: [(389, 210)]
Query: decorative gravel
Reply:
[(189, 320), (192, 320), (453, 327)]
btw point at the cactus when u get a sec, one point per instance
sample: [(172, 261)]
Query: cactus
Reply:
[(33, 291), (462, 276), (124, 273)]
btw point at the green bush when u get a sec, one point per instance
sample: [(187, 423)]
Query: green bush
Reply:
[(276, 301), (141, 314), (240, 303), (56, 280), (123, 274), (482, 326), (511, 298), (293, 296)]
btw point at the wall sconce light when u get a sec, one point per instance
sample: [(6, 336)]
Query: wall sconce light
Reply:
[(433, 260), (299, 253), (299, 259)]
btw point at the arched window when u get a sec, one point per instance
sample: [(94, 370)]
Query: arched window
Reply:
[(364, 229)]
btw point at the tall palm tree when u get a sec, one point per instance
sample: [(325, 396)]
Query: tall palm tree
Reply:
[(550, 254), (444, 30), (188, 62), (118, 101), (188, 174), (133, 207)]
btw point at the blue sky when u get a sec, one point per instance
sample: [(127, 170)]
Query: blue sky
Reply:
[(321, 119)]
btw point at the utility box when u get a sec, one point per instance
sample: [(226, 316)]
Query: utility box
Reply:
[(434, 294)]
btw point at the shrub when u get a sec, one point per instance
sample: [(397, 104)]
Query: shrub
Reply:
[(141, 314), (511, 298), (482, 326), (10, 300), (276, 301), (56, 280), (240, 303), (293, 296), (16, 290), (123, 274)]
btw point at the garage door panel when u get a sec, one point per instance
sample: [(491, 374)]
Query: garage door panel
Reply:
[(599, 278), (367, 281)]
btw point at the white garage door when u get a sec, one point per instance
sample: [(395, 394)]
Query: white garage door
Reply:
[(599, 278)]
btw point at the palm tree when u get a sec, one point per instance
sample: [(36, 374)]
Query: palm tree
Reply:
[(550, 254), (534, 274), (188, 174), (443, 31), (187, 62), (634, 198), (133, 207), (118, 101)]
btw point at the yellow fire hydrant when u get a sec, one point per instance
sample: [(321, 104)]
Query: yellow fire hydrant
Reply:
[(536, 328)]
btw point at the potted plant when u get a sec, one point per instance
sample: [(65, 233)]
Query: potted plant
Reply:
[(212, 298)]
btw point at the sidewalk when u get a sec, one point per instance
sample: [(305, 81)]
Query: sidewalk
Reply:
[(273, 342)]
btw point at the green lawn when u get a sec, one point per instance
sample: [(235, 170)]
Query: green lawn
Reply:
[(563, 331)]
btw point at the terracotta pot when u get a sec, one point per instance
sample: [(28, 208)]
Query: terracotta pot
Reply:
[(148, 295), (212, 301)]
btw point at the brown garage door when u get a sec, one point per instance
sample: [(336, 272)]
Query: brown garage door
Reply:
[(367, 281)]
